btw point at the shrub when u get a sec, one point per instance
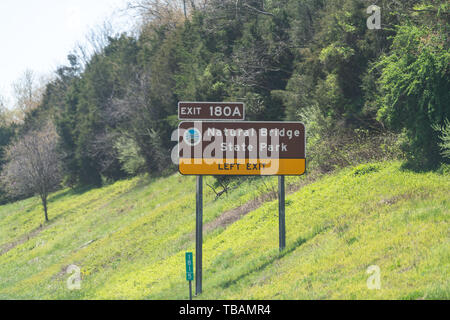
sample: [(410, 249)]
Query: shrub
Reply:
[(445, 138), (331, 145), (132, 162)]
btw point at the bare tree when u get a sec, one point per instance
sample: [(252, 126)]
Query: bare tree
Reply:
[(158, 11), (33, 165), (8, 115), (3, 110), (2, 102), (28, 91), (166, 11), (94, 42)]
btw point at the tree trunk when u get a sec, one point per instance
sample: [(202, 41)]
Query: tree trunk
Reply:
[(44, 204)]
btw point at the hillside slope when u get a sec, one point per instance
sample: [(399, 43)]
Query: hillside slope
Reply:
[(129, 239)]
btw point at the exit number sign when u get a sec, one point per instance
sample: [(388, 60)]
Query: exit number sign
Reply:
[(189, 267), (211, 111)]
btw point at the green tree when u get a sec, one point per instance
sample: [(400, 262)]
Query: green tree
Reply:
[(415, 90)]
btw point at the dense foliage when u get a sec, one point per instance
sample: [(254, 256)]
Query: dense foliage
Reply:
[(309, 60)]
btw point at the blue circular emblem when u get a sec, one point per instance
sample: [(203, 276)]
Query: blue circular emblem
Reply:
[(192, 136)]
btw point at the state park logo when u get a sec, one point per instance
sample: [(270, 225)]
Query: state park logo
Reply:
[(192, 137)]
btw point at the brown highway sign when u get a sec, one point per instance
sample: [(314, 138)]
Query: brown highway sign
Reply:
[(242, 148), (211, 111)]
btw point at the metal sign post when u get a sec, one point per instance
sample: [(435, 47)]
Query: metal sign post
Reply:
[(199, 236), (282, 212)]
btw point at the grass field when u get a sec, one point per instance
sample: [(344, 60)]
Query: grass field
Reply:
[(129, 239)]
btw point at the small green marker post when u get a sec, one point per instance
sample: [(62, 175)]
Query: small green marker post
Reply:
[(189, 271)]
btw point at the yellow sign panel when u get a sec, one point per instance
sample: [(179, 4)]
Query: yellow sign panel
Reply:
[(244, 167)]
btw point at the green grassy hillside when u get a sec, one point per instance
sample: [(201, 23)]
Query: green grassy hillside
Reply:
[(129, 239)]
